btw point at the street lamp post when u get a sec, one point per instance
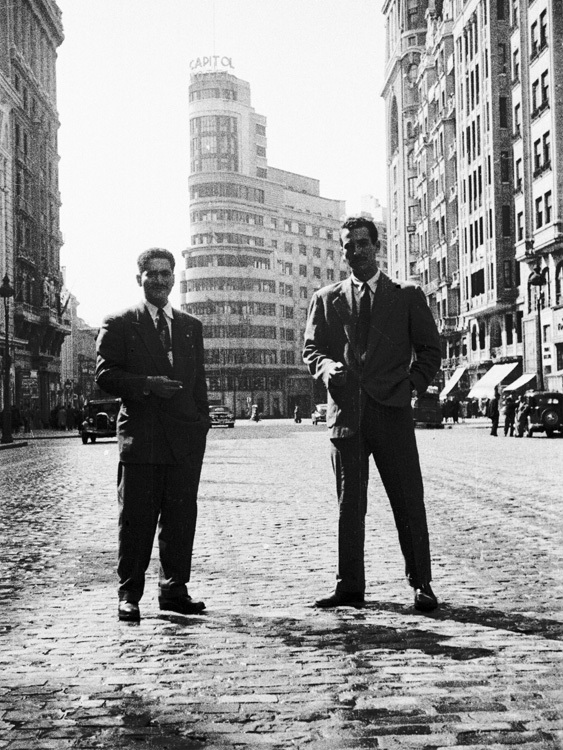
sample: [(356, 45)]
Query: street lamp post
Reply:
[(537, 279), (6, 292)]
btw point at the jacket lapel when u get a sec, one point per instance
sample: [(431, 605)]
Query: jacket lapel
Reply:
[(182, 343), (343, 303), (383, 302), (146, 331)]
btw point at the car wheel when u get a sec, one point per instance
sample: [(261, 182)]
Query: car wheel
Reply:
[(550, 419), (84, 437), (92, 438)]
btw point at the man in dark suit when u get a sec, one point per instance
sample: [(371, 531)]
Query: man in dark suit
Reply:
[(151, 356), (375, 346)]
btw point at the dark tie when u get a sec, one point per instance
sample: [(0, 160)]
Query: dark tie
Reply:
[(364, 318), (163, 331)]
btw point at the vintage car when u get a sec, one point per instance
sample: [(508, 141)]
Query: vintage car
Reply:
[(100, 417), (319, 415), (544, 412), (221, 416)]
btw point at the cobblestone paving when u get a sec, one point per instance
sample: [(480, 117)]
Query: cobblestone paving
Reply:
[(262, 668)]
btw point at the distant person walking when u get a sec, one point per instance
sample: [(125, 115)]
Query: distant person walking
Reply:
[(509, 415), (493, 413)]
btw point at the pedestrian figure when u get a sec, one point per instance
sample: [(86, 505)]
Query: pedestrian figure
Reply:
[(360, 337), (455, 410), (493, 413), (522, 412), (297, 414), (509, 415), (151, 356), (61, 418)]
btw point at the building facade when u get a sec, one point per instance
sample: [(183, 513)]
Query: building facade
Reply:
[(31, 31), (534, 65), (464, 187), (262, 240)]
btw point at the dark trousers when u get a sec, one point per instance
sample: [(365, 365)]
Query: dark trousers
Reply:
[(387, 433), (151, 495)]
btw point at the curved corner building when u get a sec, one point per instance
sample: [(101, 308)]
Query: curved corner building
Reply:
[(262, 240)]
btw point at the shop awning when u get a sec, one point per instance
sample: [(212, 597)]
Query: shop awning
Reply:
[(453, 381), (519, 382), (485, 388)]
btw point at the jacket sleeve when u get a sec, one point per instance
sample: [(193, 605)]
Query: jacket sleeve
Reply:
[(316, 345), (200, 384), (425, 341), (111, 373)]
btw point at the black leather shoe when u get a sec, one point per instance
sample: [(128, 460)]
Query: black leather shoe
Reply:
[(341, 599), (424, 598), (184, 605), (128, 611)]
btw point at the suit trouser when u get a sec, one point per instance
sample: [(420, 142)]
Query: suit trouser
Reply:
[(151, 495), (387, 433)]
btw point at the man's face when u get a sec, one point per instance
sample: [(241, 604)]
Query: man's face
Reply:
[(359, 252), (157, 281)]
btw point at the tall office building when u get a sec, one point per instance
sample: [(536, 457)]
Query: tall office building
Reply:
[(30, 32), (462, 189), (262, 240), (536, 60)]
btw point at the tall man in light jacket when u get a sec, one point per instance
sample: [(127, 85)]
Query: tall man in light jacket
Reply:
[(374, 344), (151, 356)]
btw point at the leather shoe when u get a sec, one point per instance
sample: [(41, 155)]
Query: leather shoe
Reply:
[(128, 611), (341, 599), (424, 598), (184, 605)]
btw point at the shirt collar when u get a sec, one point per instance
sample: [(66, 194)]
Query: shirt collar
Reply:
[(153, 310), (372, 283)]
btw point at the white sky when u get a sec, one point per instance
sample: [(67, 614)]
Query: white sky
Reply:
[(315, 69)]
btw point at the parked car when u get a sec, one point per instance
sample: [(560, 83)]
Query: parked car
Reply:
[(100, 418), (545, 412), (221, 416), (319, 415)]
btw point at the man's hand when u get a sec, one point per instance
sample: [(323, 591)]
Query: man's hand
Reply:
[(336, 374), (162, 386)]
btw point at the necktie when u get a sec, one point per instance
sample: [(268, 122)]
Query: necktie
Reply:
[(364, 319), (163, 331)]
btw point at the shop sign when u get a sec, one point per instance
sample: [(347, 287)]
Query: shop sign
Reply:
[(558, 324)]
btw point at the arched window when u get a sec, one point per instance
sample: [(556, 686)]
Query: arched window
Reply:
[(559, 283), (474, 338), (481, 335), (495, 334)]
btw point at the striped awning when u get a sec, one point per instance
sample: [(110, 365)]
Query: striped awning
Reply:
[(519, 382), (453, 381), (485, 387)]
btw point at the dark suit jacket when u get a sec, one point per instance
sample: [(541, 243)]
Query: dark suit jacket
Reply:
[(152, 429), (403, 348)]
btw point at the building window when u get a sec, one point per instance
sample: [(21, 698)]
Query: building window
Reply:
[(559, 356), (539, 212), (543, 29), (518, 175), (537, 155), (288, 247), (546, 143), (507, 277), (503, 111), (517, 119), (260, 130), (330, 274), (303, 292), (317, 272), (516, 65), (504, 166), (260, 151), (261, 172), (302, 270), (520, 226), (316, 252), (547, 207), (330, 254), (544, 88), (501, 10), (506, 221)]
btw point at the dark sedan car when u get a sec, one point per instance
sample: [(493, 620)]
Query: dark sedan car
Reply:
[(221, 416), (544, 412), (100, 418)]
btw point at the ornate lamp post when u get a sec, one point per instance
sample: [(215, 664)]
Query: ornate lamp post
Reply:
[(537, 279), (6, 291)]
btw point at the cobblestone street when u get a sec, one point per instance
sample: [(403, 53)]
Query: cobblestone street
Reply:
[(262, 668)]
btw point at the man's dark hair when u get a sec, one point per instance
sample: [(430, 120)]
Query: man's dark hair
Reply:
[(151, 254), (356, 222)]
